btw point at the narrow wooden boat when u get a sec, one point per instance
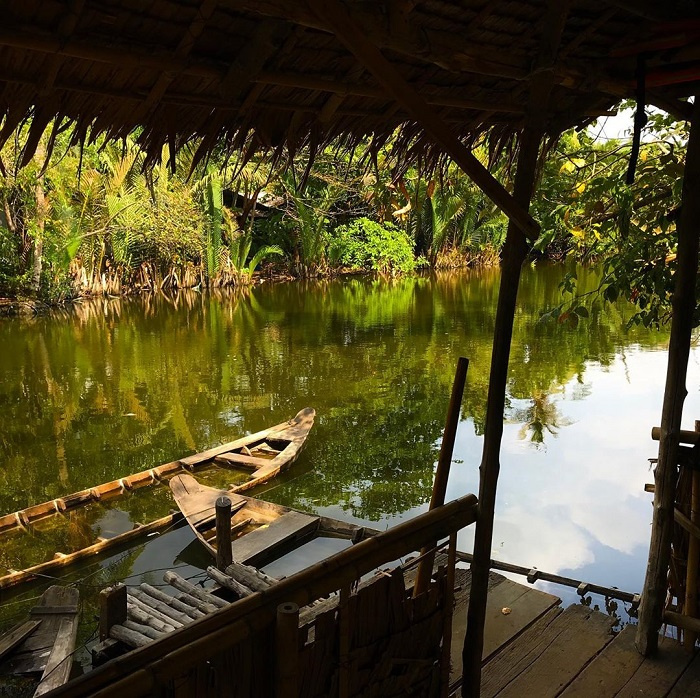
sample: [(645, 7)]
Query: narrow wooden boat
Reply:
[(265, 454), (47, 640), (260, 531), (262, 455)]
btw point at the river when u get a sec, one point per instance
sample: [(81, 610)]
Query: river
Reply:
[(115, 386)]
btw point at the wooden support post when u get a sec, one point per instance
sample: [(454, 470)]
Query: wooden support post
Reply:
[(514, 253), (443, 469), (287, 651), (224, 555), (691, 580), (448, 611), (112, 608), (344, 622), (683, 305)]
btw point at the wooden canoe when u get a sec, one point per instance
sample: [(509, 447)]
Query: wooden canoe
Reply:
[(263, 455), (260, 531), (47, 650), (272, 450)]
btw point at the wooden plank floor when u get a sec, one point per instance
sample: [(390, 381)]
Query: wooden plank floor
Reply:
[(540, 650)]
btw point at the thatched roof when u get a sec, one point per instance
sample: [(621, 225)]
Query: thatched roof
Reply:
[(185, 69)]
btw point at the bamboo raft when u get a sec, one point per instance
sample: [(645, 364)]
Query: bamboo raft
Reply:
[(263, 455)]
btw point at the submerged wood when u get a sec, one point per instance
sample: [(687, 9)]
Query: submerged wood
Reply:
[(293, 432), (683, 305)]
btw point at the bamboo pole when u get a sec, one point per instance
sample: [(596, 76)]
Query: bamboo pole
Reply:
[(224, 554), (443, 469), (514, 254), (287, 651), (447, 617), (690, 608), (665, 476), (344, 628)]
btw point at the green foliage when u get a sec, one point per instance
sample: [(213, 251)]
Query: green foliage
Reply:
[(366, 244), (589, 210)]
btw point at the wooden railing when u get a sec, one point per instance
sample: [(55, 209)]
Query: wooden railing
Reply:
[(188, 651)]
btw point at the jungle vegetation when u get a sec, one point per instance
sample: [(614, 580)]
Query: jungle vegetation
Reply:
[(92, 219)]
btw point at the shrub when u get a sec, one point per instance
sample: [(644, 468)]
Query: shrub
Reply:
[(366, 244)]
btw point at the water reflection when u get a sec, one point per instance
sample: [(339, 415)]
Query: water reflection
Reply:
[(118, 385)]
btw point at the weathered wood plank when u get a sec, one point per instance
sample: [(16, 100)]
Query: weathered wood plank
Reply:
[(688, 686), (11, 639), (608, 673), (526, 605), (259, 546), (657, 675), (60, 661), (240, 460), (543, 661)]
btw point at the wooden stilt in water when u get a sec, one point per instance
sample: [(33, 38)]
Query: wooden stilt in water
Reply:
[(224, 556), (443, 469), (683, 304), (287, 651)]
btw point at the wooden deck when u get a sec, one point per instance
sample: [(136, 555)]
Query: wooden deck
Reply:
[(539, 650)]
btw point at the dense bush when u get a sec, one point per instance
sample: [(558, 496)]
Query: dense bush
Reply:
[(366, 244)]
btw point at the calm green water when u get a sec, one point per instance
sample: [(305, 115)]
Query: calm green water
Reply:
[(120, 385)]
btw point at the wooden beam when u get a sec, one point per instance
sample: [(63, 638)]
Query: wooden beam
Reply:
[(444, 98), (184, 48), (683, 304), (355, 40), (514, 254)]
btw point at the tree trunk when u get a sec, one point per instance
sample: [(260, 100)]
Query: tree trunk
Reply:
[(41, 214)]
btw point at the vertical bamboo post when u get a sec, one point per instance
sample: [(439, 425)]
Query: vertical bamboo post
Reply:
[(224, 553), (344, 621), (514, 254), (448, 611), (691, 579), (665, 476), (112, 608), (287, 651), (442, 473)]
